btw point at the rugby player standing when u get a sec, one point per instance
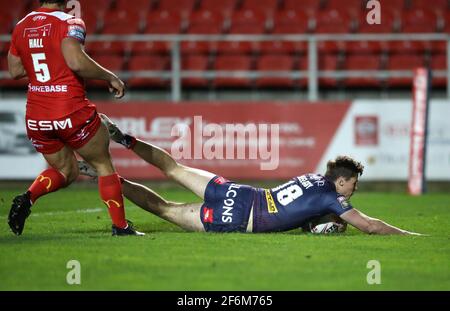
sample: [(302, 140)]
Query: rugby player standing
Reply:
[(47, 47), (231, 207)]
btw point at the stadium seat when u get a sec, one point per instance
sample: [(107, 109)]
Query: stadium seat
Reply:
[(111, 62), (362, 62), (236, 47), (389, 23), (137, 6), (205, 22), (419, 21), (195, 63), (332, 21), (6, 23), (348, 4), (366, 47), (280, 47), (150, 47), (17, 9), (328, 62), (184, 7), (106, 47), (403, 62), (440, 5), (275, 63), (151, 63), (329, 47), (290, 22), (92, 20), (98, 6), (408, 47), (248, 22), (266, 6), (438, 62), (223, 6), (447, 22), (122, 22), (198, 47), (232, 63), (394, 5), (163, 22), (308, 6)]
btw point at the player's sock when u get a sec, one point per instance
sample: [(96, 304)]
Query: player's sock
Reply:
[(111, 193), (48, 181)]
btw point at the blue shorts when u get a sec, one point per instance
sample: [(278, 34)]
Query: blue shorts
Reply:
[(227, 206)]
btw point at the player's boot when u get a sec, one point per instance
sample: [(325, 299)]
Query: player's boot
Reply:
[(116, 134), (129, 230), (87, 170), (20, 210)]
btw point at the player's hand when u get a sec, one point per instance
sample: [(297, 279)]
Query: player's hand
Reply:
[(117, 87)]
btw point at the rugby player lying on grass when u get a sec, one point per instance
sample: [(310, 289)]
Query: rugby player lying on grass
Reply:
[(231, 207)]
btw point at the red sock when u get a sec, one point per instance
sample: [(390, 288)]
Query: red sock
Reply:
[(48, 181), (111, 194)]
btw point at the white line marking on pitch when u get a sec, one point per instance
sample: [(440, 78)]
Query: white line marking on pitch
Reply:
[(82, 211)]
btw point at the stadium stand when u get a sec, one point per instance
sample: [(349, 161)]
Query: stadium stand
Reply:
[(212, 17)]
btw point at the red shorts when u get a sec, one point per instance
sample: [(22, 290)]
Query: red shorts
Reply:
[(74, 130)]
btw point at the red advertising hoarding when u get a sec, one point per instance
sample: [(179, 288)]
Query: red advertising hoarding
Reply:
[(239, 140)]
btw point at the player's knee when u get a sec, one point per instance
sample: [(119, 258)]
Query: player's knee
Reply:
[(71, 173)]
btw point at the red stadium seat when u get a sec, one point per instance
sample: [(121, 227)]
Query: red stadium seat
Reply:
[(328, 62), (363, 62), (275, 63), (197, 47), (223, 6), (6, 23), (91, 20), (248, 22), (107, 47), (329, 47), (17, 9), (195, 63), (439, 62), (134, 6), (235, 47), (184, 7), (163, 22), (266, 6), (121, 22), (404, 62), (408, 47), (396, 5), (281, 47), (357, 5), (441, 5), (308, 6), (150, 47), (419, 21), (332, 21), (389, 21), (290, 22), (366, 47), (148, 62), (97, 6), (111, 62), (232, 63), (205, 22)]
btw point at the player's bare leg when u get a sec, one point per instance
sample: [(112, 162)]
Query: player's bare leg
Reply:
[(194, 179), (96, 153), (183, 215)]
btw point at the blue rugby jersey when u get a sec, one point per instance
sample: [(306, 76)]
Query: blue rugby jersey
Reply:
[(292, 204)]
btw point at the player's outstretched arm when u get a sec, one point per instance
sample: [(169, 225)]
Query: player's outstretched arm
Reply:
[(371, 225), (15, 67), (84, 66)]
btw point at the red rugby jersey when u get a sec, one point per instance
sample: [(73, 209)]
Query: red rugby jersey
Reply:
[(54, 90)]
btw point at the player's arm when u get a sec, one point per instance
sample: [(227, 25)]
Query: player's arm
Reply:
[(84, 66), (15, 67), (371, 225)]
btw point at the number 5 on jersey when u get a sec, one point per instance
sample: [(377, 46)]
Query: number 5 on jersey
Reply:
[(40, 68)]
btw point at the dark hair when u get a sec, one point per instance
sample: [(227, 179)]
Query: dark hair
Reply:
[(52, 1), (343, 166)]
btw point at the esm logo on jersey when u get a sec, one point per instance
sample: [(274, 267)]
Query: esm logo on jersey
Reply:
[(34, 125)]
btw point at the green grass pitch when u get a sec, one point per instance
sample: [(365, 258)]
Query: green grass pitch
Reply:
[(74, 224)]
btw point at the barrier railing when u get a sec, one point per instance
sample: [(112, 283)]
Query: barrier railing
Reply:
[(312, 73)]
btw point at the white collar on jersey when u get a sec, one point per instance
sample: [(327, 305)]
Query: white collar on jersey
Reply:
[(59, 14)]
